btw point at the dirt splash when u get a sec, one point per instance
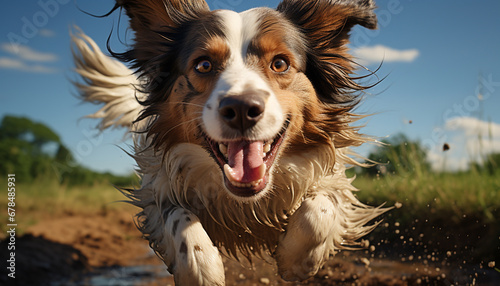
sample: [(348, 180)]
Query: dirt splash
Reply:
[(106, 248)]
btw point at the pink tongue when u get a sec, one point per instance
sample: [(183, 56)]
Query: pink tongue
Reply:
[(245, 158)]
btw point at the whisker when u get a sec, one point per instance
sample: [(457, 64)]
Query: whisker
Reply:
[(180, 124), (195, 127), (186, 103)]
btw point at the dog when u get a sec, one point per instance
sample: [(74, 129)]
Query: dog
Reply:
[(242, 124)]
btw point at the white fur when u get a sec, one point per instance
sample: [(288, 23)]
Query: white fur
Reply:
[(306, 244), (309, 213), (107, 81), (239, 79), (191, 253)]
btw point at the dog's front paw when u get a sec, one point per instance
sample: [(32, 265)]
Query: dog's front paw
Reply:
[(308, 240), (191, 255), (300, 264)]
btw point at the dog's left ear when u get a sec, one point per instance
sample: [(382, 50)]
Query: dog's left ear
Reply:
[(334, 17), (325, 25)]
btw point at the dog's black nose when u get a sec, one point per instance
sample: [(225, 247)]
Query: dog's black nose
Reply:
[(242, 112)]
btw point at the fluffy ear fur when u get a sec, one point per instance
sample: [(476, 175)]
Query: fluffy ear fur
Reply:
[(326, 25), (160, 28), (154, 14), (154, 22)]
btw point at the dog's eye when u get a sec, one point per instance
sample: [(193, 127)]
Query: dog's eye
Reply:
[(279, 65), (204, 66)]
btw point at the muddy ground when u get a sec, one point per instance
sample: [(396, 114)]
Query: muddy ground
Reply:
[(106, 249)]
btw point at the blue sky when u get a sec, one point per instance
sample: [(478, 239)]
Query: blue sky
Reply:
[(441, 59)]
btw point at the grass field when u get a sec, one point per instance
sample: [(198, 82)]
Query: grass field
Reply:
[(451, 211), (456, 194), (459, 194), (45, 197), (453, 216)]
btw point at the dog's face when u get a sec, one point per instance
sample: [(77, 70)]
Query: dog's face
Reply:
[(249, 87)]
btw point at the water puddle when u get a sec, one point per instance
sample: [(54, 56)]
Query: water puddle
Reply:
[(120, 276)]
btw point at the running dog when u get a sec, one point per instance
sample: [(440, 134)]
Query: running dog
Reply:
[(242, 124)]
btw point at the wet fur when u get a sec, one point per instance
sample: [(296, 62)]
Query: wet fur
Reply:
[(310, 211)]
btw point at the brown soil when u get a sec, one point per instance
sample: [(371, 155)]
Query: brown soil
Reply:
[(77, 249)]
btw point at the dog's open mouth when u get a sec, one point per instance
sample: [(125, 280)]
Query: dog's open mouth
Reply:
[(246, 164)]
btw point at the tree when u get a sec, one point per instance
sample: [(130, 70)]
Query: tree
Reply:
[(15, 158), (22, 147), (31, 149), (399, 155)]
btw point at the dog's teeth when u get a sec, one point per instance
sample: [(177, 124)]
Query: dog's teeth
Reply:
[(223, 149), (267, 148), (256, 183), (228, 171), (262, 170)]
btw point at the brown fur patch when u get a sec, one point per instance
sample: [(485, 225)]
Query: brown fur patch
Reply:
[(149, 17), (326, 25)]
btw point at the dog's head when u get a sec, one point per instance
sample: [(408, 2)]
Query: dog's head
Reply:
[(250, 87)]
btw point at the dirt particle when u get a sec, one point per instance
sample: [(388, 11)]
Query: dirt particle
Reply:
[(365, 243), (446, 147), (264, 281), (365, 261), (491, 264)]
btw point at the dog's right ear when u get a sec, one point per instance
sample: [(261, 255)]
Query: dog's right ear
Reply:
[(154, 14), (152, 19)]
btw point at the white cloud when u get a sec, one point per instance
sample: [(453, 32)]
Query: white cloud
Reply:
[(470, 140), (47, 33), (480, 137), (377, 54), (28, 54), (15, 64), (26, 59), (473, 127)]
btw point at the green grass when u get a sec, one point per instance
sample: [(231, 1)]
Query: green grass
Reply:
[(456, 194), (457, 212), (452, 206), (47, 198)]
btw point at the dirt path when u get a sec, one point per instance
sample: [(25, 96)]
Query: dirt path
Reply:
[(106, 249)]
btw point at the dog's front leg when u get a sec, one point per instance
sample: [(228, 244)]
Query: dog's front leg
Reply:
[(306, 244), (188, 251)]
